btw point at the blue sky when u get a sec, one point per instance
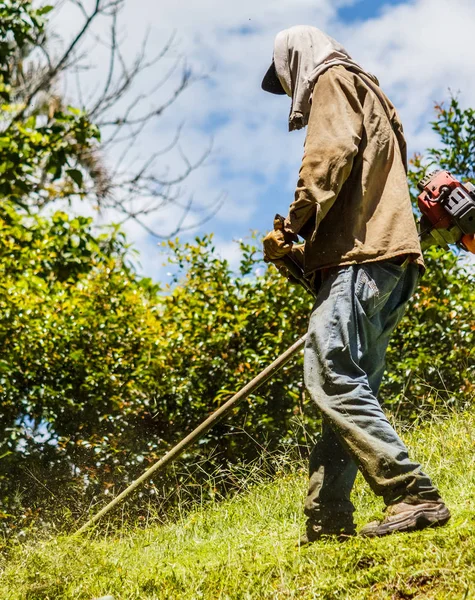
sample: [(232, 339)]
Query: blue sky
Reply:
[(254, 163), (363, 10)]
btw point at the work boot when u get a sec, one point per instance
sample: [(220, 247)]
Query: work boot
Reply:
[(342, 530), (408, 517)]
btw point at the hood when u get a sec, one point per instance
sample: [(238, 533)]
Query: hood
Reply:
[(301, 55)]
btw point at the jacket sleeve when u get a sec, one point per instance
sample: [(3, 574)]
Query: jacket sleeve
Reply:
[(333, 136)]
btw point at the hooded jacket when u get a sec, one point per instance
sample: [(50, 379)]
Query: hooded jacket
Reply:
[(352, 202)]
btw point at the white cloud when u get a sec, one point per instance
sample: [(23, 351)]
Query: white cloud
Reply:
[(415, 60), (228, 250), (255, 160)]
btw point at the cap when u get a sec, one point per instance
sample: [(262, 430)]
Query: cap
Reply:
[(271, 82)]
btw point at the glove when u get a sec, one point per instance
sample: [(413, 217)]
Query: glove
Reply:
[(277, 244)]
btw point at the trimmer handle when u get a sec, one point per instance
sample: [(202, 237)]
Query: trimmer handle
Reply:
[(279, 222)]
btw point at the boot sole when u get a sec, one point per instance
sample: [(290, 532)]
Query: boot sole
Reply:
[(416, 520)]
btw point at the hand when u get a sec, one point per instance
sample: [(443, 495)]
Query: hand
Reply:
[(277, 244)]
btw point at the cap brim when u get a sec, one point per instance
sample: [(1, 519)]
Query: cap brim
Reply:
[(271, 82)]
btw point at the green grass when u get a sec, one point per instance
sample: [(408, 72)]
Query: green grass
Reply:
[(246, 547)]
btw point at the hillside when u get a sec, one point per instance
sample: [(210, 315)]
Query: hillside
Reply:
[(246, 547)]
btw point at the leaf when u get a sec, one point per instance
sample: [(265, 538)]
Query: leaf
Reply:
[(74, 110), (44, 10), (76, 176)]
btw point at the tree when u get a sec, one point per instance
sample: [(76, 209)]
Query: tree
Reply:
[(35, 153), (64, 148), (456, 129)]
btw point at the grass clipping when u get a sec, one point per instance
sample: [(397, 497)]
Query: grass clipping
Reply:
[(246, 547)]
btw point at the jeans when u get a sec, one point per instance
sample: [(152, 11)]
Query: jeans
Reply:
[(356, 310)]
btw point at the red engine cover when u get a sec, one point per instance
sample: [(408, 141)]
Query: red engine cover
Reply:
[(428, 200)]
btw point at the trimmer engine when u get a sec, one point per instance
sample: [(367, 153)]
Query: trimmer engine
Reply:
[(448, 209)]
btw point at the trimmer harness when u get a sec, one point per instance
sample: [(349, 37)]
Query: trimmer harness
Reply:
[(448, 211)]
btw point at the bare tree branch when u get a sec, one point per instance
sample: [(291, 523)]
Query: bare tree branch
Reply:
[(133, 186), (179, 228), (53, 72)]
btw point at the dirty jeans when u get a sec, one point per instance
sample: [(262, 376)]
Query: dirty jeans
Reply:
[(356, 310)]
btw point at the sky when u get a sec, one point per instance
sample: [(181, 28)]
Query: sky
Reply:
[(254, 162)]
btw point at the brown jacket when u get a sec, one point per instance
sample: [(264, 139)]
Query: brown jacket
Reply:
[(352, 201)]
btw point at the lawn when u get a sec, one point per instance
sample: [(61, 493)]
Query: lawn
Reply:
[(245, 547)]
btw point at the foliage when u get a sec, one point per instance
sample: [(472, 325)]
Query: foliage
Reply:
[(20, 26), (245, 547), (70, 307), (222, 330), (38, 158), (40, 151), (455, 128), (431, 362), (99, 370)]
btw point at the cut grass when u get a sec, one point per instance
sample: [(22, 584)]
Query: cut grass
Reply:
[(246, 547)]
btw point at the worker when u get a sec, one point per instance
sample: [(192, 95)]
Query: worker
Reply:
[(352, 207)]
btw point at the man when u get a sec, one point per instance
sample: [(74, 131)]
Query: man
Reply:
[(353, 209)]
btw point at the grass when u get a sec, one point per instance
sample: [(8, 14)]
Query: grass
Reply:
[(246, 547)]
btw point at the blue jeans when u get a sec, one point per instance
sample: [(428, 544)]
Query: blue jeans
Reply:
[(356, 310)]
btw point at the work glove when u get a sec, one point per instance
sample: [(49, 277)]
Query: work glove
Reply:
[(278, 243), (431, 236)]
